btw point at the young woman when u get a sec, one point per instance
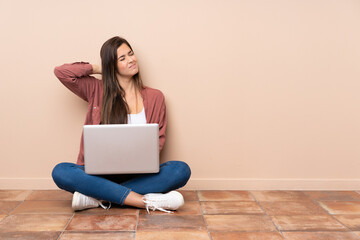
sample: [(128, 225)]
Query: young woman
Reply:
[(119, 98)]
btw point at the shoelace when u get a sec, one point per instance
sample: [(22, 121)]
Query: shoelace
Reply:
[(105, 207), (153, 206)]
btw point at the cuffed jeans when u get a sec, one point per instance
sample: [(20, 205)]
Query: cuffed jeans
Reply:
[(115, 188)]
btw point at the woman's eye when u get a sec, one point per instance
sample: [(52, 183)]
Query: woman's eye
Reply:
[(131, 53), (121, 59)]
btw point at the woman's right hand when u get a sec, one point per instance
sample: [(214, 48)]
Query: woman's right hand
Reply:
[(96, 69)]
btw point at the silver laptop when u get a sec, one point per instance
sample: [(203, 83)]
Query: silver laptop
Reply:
[(121, 148)]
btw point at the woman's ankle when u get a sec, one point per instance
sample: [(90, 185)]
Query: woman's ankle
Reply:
[(135, 200)]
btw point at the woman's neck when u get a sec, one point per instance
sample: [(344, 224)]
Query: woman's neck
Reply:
[(128, 84), (132, 95)]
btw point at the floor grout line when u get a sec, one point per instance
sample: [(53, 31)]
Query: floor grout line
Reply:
[(331, 215), (266, 214), (137, 223), (67, 224), (202, 214), (32, 191), (21, 202)]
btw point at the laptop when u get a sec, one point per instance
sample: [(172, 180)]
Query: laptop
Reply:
[(121, 148)]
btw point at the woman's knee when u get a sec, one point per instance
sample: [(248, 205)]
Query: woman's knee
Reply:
[(60, 174), (181, 171), (59, 170)]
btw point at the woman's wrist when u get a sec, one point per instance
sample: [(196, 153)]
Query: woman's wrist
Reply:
[(96, 69)]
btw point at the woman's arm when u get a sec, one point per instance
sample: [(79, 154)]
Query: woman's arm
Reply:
[(76, 77), (96, 69), (162, 124)]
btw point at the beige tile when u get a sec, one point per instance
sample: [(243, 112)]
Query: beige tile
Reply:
[(224, 196), (97, 235), (246, 236), (189, 195), (239, 223), (50, 195), (171, 223), (351, 221), (8, 206), (280, 196), (307, 223), (102, 222), (29, 235), (190, 208), (14, 195), (334, 207), (293, 208), (168, 235), (319, 236), (111, 211), (230, 207), (333, 195), (46, 207), (34, 223)]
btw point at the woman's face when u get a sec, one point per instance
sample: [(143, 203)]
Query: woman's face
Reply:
[(127, 62)]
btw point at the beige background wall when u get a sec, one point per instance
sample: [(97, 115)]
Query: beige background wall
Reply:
[(260, 94)]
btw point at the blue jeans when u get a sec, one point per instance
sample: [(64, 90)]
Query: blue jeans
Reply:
[(115, 188)]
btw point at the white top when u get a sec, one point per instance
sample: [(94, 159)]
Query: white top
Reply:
[(138, 118)]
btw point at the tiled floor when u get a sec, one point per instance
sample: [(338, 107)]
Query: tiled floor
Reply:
[(216, 215)]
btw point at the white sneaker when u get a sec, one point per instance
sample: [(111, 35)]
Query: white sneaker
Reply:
[(163, 202), (81, 202)]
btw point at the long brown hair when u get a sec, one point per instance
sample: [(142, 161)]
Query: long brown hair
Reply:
[(114, 108)]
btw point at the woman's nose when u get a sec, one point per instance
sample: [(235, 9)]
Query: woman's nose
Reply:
[(130, 59)]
